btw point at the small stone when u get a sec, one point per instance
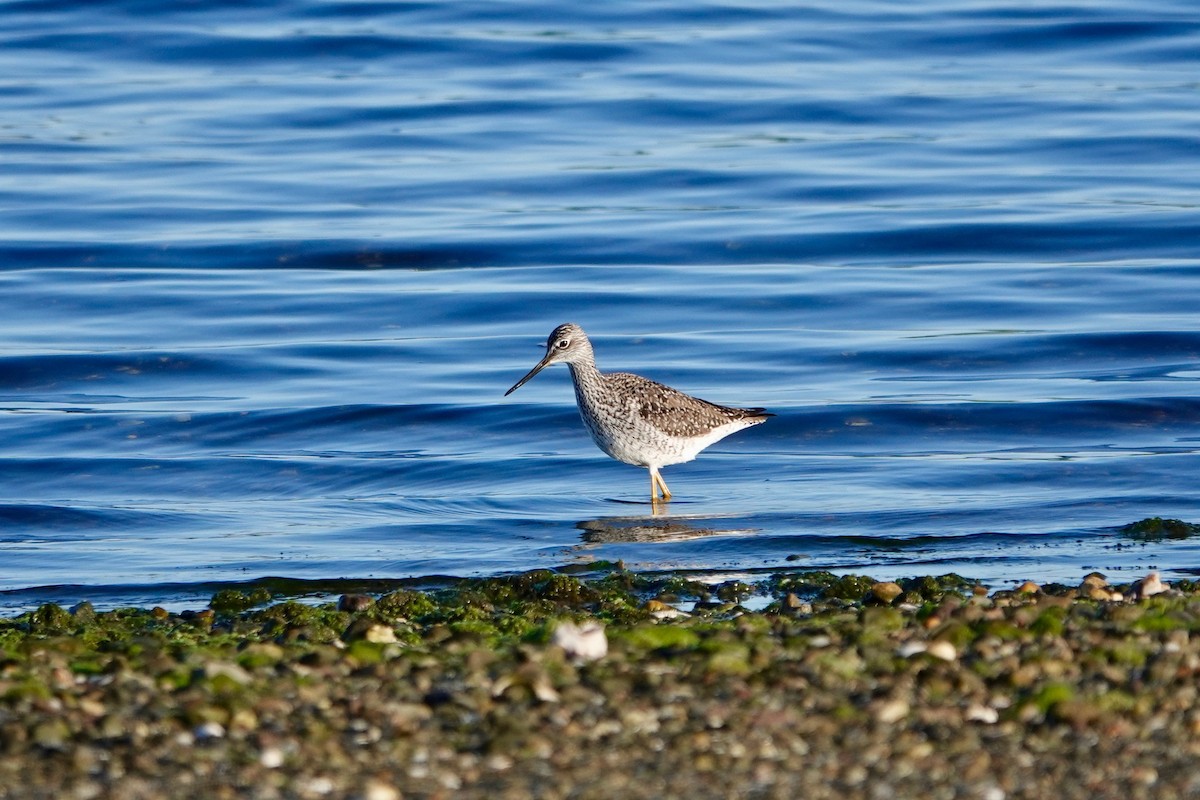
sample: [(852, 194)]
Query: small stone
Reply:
[(1096, 593), (201, 619), (368, 630), (83, 612), (886, 592), (260, 654), (377, 790), (670, 613), (793, 605), (93, 708), (581, 643), (1094, 579), (271, 758), (977, 712), (88, 790), (499, 762), (943, 650), (1028, 587), (243, 719), (910, 649), (319, 785), (1149, 586), (543, 691), (531, 677), (1147, 776), (206, 731), (224, 669), (355, 602), (380, 634), (406, 717), (661, 610), (892, 711), (111, 727), (52, 734)]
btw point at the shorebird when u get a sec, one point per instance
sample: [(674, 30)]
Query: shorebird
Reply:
[(634, 419)]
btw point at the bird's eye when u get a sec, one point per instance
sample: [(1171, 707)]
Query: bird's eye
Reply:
[(563, 344)]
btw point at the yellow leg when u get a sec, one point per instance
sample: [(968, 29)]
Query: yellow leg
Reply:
[(657, 483)]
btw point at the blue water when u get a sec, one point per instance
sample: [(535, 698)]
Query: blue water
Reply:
[(267, 269)]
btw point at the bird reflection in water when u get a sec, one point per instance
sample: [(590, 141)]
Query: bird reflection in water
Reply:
[(613, 530)]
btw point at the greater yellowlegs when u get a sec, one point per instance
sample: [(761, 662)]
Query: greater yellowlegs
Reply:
[(637, 420)]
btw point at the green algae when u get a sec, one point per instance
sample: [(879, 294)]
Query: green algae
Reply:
[(1050, 695), (539, 587), (936, 588), (659, 638), (1127, 653), (522, 610), (49, 619), (958, 633), (1155, 529), (296, 620), (733, 591), (366, 652), (260, 655), (29, 688), (83, 612), (820, 584), (231, 601), (472, 673), (1116, 701), (679, 588), (1161, 614), (1003, 630), (730, 658), (1050, 622), (848, 587), (406, 604)]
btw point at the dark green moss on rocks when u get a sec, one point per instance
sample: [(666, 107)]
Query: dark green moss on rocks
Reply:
[(229, 601), (1156, 529)]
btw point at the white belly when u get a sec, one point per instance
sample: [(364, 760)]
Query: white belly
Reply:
[(632, 440)]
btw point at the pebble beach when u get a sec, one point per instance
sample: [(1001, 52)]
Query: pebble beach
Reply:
[(270, 528), (612, 684)]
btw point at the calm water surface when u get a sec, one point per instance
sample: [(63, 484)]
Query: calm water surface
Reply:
[(266, 271)]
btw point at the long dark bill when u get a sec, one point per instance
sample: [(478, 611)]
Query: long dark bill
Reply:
[(540, 366)]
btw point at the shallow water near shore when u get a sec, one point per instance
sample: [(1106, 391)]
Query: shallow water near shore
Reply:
[(265, 274)]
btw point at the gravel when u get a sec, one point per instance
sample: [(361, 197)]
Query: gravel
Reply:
[(840, 687)]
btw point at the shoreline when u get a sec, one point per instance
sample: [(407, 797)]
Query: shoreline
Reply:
[(182, 595), (543, 684)]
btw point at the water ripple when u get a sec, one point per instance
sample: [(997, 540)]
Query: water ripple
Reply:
[(266, 271)]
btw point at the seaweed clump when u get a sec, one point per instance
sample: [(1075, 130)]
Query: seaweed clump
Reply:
[(1156, 529)]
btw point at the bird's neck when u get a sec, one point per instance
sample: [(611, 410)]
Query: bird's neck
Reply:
[(584, 373), (585, 376), (588, 383)]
